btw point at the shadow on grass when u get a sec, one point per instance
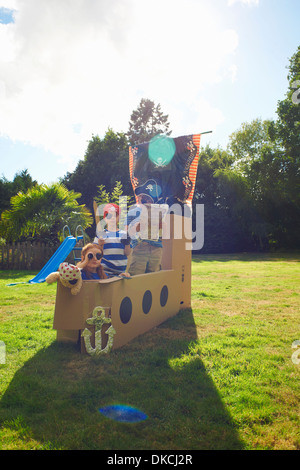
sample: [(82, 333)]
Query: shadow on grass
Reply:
[(57, 395)]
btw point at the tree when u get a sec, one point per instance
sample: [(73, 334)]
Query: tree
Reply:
[(286, 131), (287, 128), (146, 122), (245, 144), (272, 173), (22, 182), (222, 192), (105, 162), (42, 212), (116, 197), (236, 199), (268, 154), (104, 197)]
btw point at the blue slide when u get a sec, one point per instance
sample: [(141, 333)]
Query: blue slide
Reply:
[(59, 257)]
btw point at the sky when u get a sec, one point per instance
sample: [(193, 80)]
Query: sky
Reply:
[(74, 68)]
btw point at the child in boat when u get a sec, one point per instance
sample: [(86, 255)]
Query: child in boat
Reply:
[(114, 242), (90, 264)]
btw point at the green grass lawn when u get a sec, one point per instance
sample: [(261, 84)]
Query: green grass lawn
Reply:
[(218, 376)]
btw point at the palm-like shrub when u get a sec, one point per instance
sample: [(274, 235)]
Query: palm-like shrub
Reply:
[(42, 212)]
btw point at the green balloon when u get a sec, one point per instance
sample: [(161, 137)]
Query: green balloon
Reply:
[(161, 150)]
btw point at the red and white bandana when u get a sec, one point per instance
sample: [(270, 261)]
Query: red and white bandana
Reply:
[(69, 272)]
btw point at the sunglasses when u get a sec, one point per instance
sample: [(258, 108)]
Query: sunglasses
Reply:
[(111, 215), (97, 255)]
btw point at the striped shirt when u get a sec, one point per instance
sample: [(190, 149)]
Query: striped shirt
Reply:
[(114, 260)]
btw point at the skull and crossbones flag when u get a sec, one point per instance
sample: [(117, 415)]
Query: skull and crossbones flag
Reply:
[(164, 170)]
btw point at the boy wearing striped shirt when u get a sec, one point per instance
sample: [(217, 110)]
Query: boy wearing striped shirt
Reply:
[(115, 243)]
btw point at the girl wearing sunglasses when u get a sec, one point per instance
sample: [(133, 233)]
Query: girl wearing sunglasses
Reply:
[(90, 264)]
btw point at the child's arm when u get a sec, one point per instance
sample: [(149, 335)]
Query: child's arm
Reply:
[(126, 244), (127, 250), (82, 264), (101, 242)]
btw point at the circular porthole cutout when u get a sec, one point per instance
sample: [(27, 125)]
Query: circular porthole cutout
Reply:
[(125, 310), (147, 302), (164, 296)]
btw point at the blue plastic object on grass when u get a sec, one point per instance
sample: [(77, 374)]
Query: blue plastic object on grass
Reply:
[(123, 413), (58, 257)]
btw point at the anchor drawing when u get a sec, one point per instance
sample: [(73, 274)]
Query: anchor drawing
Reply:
[(98, 319)]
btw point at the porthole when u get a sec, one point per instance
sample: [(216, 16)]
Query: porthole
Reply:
[(164, 296), (125, 310), (147, 302)]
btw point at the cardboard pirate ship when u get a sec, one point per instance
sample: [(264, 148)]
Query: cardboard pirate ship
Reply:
[(107, 314)]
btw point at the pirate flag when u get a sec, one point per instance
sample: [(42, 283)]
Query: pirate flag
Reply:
[(164, 170)]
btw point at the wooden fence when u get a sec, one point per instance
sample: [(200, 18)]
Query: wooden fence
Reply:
[(25, 255)]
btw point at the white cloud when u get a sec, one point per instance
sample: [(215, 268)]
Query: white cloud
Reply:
[(9, 4), (244, 2), (68, 70)]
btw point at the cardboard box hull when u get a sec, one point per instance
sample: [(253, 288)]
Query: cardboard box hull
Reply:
[(133, 305)]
